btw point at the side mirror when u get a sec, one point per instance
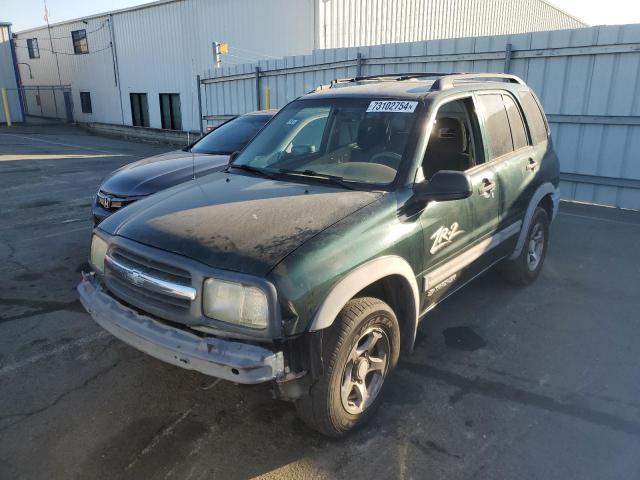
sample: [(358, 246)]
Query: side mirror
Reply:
[(444, 185)]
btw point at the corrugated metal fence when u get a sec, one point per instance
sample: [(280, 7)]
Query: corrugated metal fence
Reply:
[(588, 80)]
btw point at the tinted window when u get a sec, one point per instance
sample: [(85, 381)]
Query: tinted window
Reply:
[(79, 39), (497, 124), (139, 109), (231, 136), (170, 115), (85, 102), (518, 133), (32, 47), (534, 117)]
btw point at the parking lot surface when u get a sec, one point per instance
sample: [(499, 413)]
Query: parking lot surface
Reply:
[(538, 383)]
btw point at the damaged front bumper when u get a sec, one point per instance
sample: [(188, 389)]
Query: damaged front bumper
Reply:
[(230, 360)]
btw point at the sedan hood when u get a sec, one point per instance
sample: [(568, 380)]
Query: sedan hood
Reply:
[(156, 173), (236, 222)]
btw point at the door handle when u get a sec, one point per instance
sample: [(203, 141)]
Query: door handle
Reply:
[(531, 165), (487, 187)]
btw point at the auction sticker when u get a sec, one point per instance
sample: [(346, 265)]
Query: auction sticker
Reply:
[(394, 106)]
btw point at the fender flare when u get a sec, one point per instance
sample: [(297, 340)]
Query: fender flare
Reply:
[(361, 277), (542, 191)]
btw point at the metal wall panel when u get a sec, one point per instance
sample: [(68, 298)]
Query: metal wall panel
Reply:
[(352, 23), (588, 81)]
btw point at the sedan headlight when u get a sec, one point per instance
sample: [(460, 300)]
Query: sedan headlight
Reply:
[(233, 302), (98, 251)]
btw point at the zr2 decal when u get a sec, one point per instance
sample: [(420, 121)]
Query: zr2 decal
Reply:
[(444, 236)]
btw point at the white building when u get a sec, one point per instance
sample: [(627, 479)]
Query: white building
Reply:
[(8, 77), (138, 66)]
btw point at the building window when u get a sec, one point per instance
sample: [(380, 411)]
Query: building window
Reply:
[(85, 102), (139, 109), (80, 44), (170, 111), (32, 46)]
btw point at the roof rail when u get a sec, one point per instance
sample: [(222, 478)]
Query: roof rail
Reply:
[(391, 76), (448, 81), (443, 81)]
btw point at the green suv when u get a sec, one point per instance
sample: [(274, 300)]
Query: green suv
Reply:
[(311, 259)]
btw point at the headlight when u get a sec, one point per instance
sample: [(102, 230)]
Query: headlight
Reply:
[(98, 251), (233, 302)]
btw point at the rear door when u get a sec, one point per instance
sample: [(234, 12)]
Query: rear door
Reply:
[(511, 155)]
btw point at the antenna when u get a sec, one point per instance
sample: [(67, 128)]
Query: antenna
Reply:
[(193, 160)]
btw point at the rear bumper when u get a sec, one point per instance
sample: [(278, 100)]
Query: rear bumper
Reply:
[(235, 361)]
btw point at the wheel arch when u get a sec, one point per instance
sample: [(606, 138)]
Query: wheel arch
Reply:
[(546, 195), (390, 274)]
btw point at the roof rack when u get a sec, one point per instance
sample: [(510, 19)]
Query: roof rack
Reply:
[(396, 77), (448, 81), (443, 81)]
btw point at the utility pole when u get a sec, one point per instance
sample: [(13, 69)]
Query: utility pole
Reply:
[(46, 19)]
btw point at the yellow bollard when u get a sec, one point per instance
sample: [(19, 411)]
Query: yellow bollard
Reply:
[(267, 99), (5, 104)]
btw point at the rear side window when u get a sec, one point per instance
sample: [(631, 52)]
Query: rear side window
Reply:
[(534, 116), (497, 124), (518, 133)]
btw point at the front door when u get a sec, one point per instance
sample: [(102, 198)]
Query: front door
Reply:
[(68, 106), (457, 233)]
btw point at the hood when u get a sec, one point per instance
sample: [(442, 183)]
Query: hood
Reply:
[(235, 222), (150, 175)]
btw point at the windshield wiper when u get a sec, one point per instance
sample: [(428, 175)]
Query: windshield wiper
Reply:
[(335, 179), (249, 168), (216, 152)]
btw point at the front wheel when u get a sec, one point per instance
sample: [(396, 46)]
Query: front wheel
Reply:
[(360, 349), (525, 268)]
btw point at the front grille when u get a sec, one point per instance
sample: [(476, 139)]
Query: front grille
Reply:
[(139, 296), (112, 203)]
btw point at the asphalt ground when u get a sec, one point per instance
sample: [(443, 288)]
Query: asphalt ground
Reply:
[(540, 382)]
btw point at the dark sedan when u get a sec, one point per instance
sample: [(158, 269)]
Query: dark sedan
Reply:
[(150, 175)]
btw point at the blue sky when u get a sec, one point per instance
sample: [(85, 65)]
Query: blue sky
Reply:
[(29, 13)]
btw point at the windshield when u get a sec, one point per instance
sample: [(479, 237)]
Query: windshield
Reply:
[(231, 136), (353, 140)]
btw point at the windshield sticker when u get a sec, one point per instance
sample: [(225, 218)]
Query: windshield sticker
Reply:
[(393, 106)]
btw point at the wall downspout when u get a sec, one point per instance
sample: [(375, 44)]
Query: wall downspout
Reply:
[(116, 67)]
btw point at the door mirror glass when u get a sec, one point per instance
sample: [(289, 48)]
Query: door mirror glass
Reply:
[(445, 185)]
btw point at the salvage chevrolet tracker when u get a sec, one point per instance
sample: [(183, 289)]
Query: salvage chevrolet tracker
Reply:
[(311, 259)]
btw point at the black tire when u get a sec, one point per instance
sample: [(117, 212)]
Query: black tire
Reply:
[(323, 408), (521, 270)]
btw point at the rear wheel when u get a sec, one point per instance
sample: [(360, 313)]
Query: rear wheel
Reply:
[(524, 269), (360, 349)]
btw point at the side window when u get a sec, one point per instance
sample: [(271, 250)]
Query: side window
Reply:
[(534, 116), (497, 124), (452, 144), (518, 133)]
